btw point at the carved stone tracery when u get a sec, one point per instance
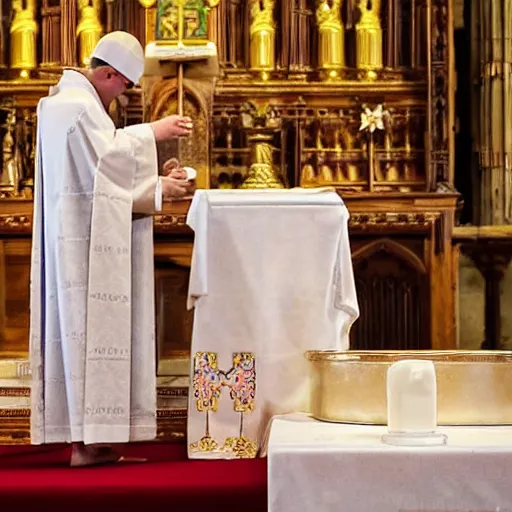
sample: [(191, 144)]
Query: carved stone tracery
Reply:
[(441, 116)]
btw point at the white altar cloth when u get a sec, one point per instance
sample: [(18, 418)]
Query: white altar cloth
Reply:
[(271, 278), (316, 466)]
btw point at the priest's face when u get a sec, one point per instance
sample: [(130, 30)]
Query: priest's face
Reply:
[(113, 84)]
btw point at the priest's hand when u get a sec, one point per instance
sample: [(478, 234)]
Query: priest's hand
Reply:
[(173, 188), (173, 169), (171, 127)]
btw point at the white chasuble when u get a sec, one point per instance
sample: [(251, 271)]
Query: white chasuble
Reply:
[(271, 278), (92, 343)]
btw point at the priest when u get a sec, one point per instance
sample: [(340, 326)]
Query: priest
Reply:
[(92, 340)]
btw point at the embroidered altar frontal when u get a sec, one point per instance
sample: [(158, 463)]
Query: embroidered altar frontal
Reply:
[(271, 278)]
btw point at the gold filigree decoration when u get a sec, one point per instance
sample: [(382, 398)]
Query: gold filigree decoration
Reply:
[(205, 444), (166, 221), (241, 447), (391, 219), (15, 223)]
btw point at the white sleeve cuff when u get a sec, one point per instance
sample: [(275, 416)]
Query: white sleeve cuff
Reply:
[(158, 195)]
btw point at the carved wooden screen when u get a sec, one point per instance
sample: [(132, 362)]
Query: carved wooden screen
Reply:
[(173, 320), (14, 296), (393, 293)]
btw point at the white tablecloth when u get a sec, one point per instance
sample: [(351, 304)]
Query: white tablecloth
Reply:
[(271, 277), (325, 467)]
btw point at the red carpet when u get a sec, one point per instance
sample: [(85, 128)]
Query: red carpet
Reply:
[(33, 476)]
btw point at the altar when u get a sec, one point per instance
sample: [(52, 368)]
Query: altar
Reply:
[(271, 278), (331, 467)]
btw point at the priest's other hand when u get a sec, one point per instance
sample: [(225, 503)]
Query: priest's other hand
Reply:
[(171, 127), (173, 169), (173, 188)]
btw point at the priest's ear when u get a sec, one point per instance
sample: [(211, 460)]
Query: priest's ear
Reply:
[(101, 68)]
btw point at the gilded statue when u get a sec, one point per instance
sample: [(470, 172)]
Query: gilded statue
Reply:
[(262, 32), (391, 168), (89, 29), (23, 31), (331, 47), (190, 15), (308, 176), (369, 36), (11, 175)]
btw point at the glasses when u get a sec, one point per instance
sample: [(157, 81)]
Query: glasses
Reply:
[(128, 84)]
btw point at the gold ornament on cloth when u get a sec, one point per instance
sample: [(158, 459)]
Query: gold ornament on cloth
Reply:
[(208, 382)]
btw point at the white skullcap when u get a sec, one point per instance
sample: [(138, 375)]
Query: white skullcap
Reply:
[(123, 52)]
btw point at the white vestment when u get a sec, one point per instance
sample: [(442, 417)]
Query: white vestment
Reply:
[(92, 342), (271, 278)]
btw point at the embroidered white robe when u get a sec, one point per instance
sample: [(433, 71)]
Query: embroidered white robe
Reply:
[(92, 342), (271, 278)]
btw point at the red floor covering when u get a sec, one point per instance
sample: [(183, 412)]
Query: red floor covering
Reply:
[(40, 476)]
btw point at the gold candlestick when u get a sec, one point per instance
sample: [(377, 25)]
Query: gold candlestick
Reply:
[(261, 173), (262, 31), (369, 38), (89, 29), (23, 37), (331, 48)]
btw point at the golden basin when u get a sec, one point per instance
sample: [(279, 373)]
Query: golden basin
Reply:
[(473, 387)]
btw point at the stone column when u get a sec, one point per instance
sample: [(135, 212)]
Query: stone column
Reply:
[(491, 51)]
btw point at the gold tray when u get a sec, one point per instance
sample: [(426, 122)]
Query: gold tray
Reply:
[(473, 387)]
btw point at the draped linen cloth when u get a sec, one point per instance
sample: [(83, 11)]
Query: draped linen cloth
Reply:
[(271, 278), (329, 467), (92, 341)]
